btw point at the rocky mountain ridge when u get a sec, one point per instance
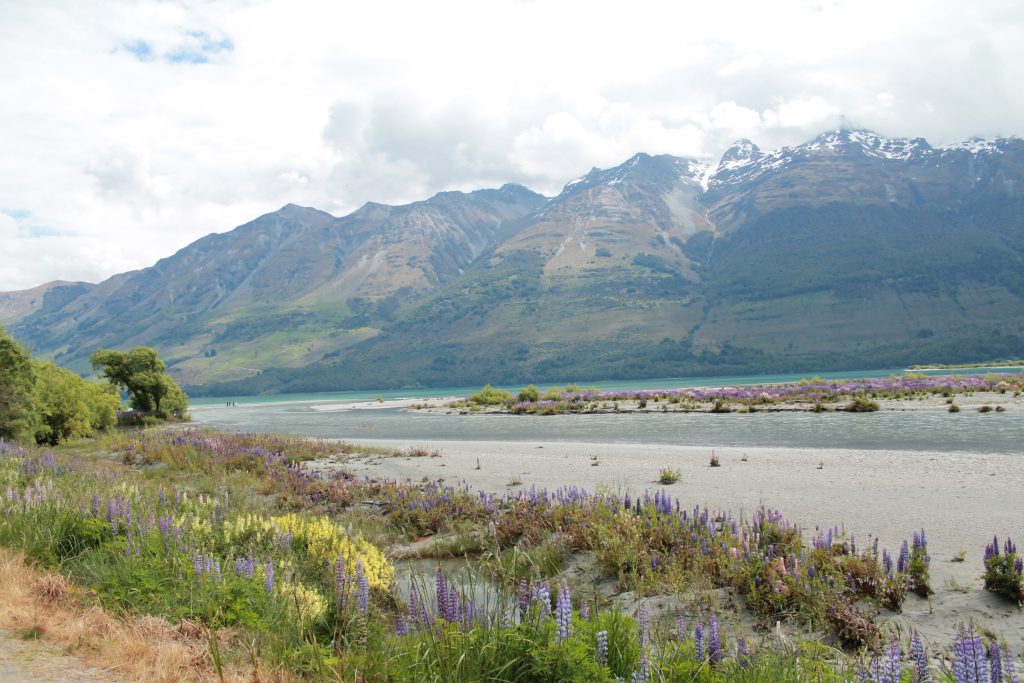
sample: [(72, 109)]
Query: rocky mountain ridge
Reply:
[(849, 250)]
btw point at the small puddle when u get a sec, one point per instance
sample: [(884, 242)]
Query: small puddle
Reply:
[(462, 574)]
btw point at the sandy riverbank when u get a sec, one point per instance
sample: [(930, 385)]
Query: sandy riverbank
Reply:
[(993, 400), (961, 499)]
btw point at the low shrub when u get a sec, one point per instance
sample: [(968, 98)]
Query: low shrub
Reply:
[(529, 393), (861, 404), (489, 396), (1003, 570), (668, 476)]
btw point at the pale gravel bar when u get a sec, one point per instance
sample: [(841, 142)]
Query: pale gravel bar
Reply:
[(961, 499)]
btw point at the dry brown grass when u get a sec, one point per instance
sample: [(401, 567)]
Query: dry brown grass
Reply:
[(131, 648)]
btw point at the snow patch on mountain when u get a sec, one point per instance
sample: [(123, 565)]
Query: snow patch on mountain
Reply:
[(976, 146)]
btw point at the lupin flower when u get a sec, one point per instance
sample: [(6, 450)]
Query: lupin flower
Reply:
[(542, 597), (892, 662), (1009, 672), (524, 598), (441, 590), (969, 658), (698, 641), (454, 607), (742, 652), (644, 674), (920, 658), (715, 654), (644, 633), (364, 588), (197, 564), (602, 647), (563, 612), (903, 563), (995, 661), (341, 583), (268, 579), (991, 550), (681, 629)]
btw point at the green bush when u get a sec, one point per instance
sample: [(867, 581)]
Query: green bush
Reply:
[(489, 396), (668, 476), (529, 393), (68, 407), (1003, 571), (862, 404)]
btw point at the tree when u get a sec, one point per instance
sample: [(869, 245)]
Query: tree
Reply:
[(69, 407), (142, 374), (16, 380)]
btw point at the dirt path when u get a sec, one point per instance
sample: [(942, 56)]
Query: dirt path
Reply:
[(36, 661)]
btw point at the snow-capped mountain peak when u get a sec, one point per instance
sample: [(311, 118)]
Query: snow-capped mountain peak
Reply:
[(868, 142), (741, 152)]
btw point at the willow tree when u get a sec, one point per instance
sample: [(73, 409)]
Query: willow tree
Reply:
[(143, 375)]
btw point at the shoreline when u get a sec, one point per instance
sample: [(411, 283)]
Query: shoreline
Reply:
[(965, 401)]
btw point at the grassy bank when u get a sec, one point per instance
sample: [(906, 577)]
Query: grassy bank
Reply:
[(283, 573)]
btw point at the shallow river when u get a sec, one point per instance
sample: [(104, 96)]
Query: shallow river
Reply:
[(921, 431)]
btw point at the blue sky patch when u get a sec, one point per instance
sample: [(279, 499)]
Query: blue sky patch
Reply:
[(142, 50), (41, 231), (198, 49), (186, 56)]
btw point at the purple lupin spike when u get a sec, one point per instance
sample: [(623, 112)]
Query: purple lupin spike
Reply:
[(602, 647), (715, 654), (995, 661), (920, 659), (563, 612), (364, 588)]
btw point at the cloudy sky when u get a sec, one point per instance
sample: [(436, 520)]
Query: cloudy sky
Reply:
[(129, 129)]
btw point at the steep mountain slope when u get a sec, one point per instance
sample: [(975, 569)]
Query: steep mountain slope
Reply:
[(852, 250), (285, 288), (14, 306)]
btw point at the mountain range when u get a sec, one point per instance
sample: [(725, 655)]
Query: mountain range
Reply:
[(850, 251)]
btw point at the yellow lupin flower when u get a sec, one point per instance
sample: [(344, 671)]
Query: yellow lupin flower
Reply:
[(325, 542)]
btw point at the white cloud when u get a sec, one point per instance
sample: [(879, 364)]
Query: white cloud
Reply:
[(131, 129), (801, 113)]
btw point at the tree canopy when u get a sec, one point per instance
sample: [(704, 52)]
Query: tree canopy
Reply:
[(66, 406), (16, 380), (41, 401), (142, 374)]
